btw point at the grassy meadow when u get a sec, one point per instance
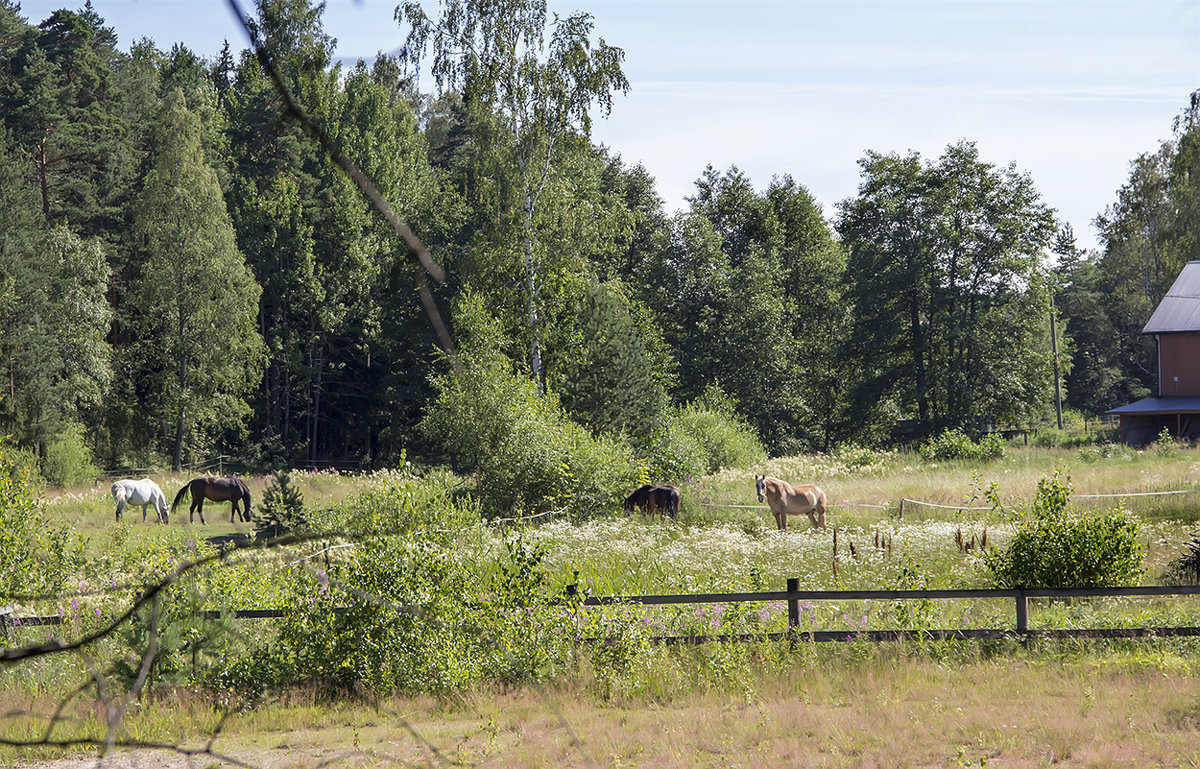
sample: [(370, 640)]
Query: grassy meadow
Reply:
[(629, 702)]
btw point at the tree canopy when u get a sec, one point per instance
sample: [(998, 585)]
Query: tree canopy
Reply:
[(183, 270)]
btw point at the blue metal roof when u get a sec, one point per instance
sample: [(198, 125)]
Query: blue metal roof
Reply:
[(1160, 406), (1179, 310)]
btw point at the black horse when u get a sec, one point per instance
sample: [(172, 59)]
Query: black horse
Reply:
[(663, 500), (230, 490)]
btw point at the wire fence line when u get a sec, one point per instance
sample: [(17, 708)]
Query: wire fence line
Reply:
[(908, 501)]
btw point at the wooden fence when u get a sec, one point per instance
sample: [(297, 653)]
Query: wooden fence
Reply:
[(1020, 597), (792, 596)]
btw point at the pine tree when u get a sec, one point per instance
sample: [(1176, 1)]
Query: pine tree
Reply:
[(608, 381), (282, 507), (199, 344)]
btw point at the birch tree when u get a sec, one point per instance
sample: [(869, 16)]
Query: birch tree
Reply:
[(540, 76)]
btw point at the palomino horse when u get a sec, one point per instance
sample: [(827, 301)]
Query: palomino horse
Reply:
[(654, 499), (785, 499), (230, 490), (145, 493)]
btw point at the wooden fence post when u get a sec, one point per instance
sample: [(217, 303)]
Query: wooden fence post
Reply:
[(1022, 612), (793, 585)]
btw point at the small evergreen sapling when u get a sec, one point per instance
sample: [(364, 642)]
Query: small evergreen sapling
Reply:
[(282, 508)]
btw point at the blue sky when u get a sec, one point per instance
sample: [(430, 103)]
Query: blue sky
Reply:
[(1069, 90)]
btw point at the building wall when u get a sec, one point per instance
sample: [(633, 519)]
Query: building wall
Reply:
[(1178, 364)]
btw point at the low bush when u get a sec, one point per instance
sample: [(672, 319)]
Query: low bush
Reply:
[(1101, 451), (406, 616), (397, 501), (525, 452), (702, 437), (955, 444), (35, 555), (68, 460), (1057, 546)]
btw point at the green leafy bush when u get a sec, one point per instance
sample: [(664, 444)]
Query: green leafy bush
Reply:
[(855, 456), (525, 452), (406, 615), (68, 460), (724, 438), (1057, 546), (35, 556), (955, 444), (396, 501), (1100, 451), (1165, 444)]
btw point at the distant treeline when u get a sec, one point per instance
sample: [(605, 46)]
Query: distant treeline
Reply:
[(184, 271)]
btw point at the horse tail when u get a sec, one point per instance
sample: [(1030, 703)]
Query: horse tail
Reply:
[(179, 496)]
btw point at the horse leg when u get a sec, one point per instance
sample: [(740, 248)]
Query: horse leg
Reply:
[(197, 507), (144, 512), (120, 507)]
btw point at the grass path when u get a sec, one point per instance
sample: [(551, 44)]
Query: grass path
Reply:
[(898, 713)]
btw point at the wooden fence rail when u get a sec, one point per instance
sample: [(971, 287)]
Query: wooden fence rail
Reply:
[(1020, 597), (793, 596)]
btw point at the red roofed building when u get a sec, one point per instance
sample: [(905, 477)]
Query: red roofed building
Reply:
[(1176, 406)]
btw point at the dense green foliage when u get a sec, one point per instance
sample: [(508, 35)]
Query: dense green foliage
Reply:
[(183, 271), (955, 444), (1058, 546), (35, 556)]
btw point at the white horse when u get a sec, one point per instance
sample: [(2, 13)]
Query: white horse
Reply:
[(145, 493)]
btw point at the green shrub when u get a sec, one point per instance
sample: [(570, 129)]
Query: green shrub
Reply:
[(68, 460), (674, 453), (857, 457), (396, 501), (725, 440), (991, 446), (1057, 546), (1165, 444), (281, 509), (1100, 451), (406, 615), (955, 444), (35, 556), (526, 453)]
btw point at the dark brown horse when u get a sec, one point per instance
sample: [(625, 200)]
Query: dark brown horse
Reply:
[(663, 500), (230, 490)]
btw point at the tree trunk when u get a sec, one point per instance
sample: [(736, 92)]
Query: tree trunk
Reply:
[(314, 436), (531, 285), (918, 358)]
